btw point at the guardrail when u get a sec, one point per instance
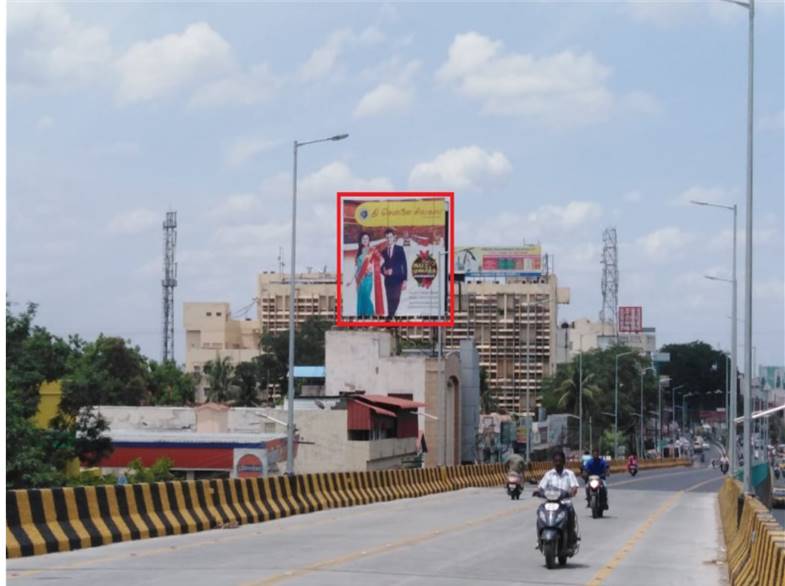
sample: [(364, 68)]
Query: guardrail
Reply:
[(755, 542), (537, 469), (52, 520)]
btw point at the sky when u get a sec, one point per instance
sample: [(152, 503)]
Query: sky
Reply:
[(549, 121)]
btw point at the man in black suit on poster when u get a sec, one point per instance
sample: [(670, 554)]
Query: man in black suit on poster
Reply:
[(394, 270)]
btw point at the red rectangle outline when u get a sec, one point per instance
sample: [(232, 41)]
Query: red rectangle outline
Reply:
[(339, 321)]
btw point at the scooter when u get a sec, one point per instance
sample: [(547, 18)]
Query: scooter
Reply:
[(552, 529), (596, 503), (514, 485), (632, 469)]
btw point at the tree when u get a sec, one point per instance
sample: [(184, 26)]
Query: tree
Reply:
[(107, 372), (34, 457), (246, 381), (308, 349), (220, 374), (169, 385), (700, 369)]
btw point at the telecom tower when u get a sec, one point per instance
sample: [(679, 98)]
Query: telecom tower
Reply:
[(168, 284), (610, 279)]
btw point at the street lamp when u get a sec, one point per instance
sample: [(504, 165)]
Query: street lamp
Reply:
[(673, 402), (734, 335), (684, 408), (643, 430), (290, 394), (616, 408), (747, 388)]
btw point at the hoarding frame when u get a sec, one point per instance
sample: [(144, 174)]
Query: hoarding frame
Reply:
[(443, 195), (632, 318)]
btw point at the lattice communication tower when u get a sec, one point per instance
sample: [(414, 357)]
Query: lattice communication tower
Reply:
[(168, 283), (610, 278)]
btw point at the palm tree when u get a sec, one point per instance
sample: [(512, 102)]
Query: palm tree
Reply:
[(567, 392), (219, 379)]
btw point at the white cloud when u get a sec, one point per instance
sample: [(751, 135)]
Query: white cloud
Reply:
[(134, 222), (324, 59), (45, 122), (242, 88), (564, 89), (237, 206), (663, 244), (632, 196), (566, 217), (151, 69), (384, 98), (641, 103), (244, 149), (47, 47), (467, 168), (335, 177), (700, 193)]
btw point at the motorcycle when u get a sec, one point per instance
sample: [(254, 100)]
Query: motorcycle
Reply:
[(552, 527), (514, 485), (632, 469), (595, 496), (724, 468)]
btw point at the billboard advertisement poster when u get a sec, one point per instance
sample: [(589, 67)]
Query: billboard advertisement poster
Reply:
[(394, 254), (631, 319), (476, 261)]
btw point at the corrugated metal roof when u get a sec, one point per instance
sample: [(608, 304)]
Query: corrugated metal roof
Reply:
[(189, 437), (392, 401)]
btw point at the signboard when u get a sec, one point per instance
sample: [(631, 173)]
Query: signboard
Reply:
[(631, 319), (248, 463), (661, 356), (773, 377), (523, 261), (393, 259)]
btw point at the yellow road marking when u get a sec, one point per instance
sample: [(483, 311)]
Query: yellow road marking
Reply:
[(387, 547), (267, 527), (600, 577)]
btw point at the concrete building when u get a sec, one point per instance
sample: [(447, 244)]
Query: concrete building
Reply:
[(584, 334), (367, 361), (513, 323)]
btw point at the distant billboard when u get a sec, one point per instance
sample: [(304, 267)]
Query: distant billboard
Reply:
[(631, 319), (478, 261), (394, 255), (773, 377)]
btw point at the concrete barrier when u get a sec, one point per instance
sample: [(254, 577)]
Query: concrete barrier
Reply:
[(63, 519), (755, 542)]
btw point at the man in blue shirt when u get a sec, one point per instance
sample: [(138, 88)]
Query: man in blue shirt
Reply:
[(597, 467)]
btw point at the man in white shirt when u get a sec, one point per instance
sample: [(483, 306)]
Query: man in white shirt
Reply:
[(564, 479)]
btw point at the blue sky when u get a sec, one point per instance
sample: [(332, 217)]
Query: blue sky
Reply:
[(549, 121)]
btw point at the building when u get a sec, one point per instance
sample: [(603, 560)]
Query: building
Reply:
[(584, 335), (513, 322), (448, 389), (202, 442)]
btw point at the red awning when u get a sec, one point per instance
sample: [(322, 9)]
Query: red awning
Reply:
[(378, 410), (390, 401)]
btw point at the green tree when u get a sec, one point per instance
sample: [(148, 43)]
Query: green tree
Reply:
[(246, 381), (169, 385), (308, 349), (107, 372), (220, 376), (160, 471)]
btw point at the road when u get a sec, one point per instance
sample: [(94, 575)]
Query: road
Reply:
[(662, 528)]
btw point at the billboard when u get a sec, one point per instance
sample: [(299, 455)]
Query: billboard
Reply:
[(476, 261), (773, 376), (394, 251), (631, 319)]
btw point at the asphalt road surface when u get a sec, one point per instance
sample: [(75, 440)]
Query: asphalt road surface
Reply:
[(662, 528)]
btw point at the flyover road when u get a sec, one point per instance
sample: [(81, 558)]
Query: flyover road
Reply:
[(662, 528)]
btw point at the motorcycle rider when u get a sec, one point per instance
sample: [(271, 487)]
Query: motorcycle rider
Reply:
[(632, 460), (516, 464), (564, 479), (597, 466)]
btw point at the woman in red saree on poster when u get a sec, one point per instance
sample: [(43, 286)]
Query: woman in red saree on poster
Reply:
[(367, 278)]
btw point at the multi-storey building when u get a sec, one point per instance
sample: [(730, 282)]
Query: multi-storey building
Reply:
[(513, 323)]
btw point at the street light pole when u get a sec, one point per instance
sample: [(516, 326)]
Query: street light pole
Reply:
[(616, 409), (733, 335), (643, 429), (684, 408), (580, 398), (673, 403), (292, 306)]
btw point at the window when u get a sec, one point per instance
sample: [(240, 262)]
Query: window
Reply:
[(209, 313), (218, 313)]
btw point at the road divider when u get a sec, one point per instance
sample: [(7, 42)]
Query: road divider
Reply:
[(755, 542)]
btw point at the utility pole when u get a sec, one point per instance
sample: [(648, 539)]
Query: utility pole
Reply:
[(168, 283)]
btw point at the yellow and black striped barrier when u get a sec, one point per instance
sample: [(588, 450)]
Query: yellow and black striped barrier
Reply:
[(755, 542)]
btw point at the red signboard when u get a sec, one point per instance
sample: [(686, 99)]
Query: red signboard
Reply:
[(631, 319)]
